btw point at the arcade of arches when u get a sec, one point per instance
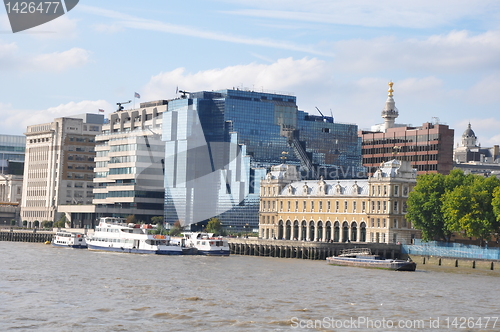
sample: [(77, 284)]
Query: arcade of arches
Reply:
[(326, 231)]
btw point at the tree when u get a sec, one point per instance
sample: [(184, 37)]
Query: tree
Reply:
[(469, 208), (214, 226), (25, 223), (176, 229), (157, 220), (131, 219), (47, 224), (495, 202), (61, 223), (13, 222), (36, 223), (424, 207)]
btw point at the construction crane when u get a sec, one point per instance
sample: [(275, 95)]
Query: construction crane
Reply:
[(120, 107), (325, 119)]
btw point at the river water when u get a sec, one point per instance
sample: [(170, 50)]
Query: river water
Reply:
[(44, 288)]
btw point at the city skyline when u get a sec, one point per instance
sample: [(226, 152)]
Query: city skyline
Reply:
[(442, 57)]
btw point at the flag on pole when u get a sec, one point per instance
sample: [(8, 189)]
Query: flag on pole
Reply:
[(136, 95), (101, 110), (177, 90)]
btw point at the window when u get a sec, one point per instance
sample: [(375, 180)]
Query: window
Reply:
[(378, 222), (296, 206), (363, 206), (345, 206), (328, 206), (312, 206), (396, 190), (288, 203), (396, 207), (304, 207), (383, 223), (354, 206), (320, 206)]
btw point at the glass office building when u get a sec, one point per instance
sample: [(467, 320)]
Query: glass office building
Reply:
[(220, 144), (12, 151)]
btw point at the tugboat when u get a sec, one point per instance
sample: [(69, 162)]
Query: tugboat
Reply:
[(113, 234), (70, 240), (363, 257)]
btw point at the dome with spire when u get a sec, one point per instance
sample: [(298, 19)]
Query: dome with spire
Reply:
[(469, 138), (469, 132)]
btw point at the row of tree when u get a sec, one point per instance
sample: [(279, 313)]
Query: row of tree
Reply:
[(468, 204)]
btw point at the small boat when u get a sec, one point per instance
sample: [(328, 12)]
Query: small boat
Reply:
[(199, 243), (69, 239), (113, 234), (363, 257)]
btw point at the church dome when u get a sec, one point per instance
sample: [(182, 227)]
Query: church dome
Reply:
[(469, 132)]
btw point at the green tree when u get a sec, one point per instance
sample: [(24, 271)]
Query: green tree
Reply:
[(424, 207), (495, 202), (468, 207), (157, 220), (36, 223), (214, 226), (176, 229), (13, 222), (61, 223), (47, 224), (25, 223)]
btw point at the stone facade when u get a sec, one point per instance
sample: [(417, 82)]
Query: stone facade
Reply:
[(363, 210)]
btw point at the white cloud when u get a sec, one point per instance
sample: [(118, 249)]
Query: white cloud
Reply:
[(60, 28), (382, 13), (284, 75), (59, 61), (15, 121), (12, 58), (133, 22), (457, 51), (486, 91)]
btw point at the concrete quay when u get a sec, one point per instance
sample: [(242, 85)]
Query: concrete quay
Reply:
[(451, 262), (305, 249), (31, 235)]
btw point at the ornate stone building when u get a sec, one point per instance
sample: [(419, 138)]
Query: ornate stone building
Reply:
[(364, 210)]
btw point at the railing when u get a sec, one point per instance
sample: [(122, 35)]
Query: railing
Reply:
[(443, 249)]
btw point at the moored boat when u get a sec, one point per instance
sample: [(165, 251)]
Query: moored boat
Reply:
[(200, 243), (113, 234), (70, 240), (362, 257)]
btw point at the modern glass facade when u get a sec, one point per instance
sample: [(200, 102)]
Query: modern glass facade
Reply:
[(220, 143), (12, 151)]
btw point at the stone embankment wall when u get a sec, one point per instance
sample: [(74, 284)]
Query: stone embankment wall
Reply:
[(25, 235), (305, 249), (479, 264)]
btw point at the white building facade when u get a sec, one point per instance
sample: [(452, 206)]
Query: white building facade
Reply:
[(59, 166)]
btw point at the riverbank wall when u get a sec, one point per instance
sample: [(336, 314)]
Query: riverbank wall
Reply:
[(305, 249), (31, 235), (452, 262)]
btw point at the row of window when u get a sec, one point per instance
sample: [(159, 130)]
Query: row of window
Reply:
[(376, 206), (401, 139)]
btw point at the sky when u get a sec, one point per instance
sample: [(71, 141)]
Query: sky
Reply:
[(443, 57)]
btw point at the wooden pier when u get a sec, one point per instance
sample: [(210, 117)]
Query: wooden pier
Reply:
[(305, 249), (31, 235)]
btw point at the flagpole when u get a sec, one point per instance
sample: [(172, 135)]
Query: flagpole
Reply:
[(134, 100)]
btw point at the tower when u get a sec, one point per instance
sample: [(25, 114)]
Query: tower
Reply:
[(390, 112)]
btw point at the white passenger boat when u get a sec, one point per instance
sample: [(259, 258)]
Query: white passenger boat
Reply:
[(199, 243), (363, 257), (68, 239), (113, 234)]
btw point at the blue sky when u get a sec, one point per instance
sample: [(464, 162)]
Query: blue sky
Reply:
[(443, 57)]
